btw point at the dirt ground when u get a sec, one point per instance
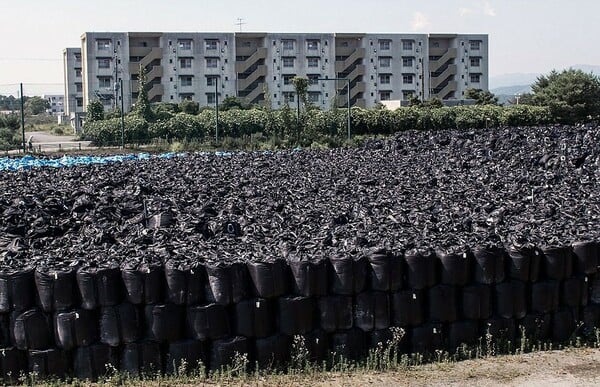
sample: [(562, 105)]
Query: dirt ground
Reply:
[(569, 367)]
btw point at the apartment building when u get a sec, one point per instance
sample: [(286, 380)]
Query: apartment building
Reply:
[(55, 104), (259, 67), (73, 106)]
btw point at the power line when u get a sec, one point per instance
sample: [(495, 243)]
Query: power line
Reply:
[(32, 59)]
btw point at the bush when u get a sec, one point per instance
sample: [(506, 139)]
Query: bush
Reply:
[(108, 132)]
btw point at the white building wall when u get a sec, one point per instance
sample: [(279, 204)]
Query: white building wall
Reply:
[(313, 57), (103, 65)]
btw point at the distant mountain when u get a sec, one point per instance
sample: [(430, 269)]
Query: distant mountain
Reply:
[(512, 90), (515, 79), (510, 80)]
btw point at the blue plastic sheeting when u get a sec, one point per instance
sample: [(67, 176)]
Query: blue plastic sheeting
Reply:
[(28, 162)]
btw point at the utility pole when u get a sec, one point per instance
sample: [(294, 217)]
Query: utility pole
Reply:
[(23, 119), (216, 109), (240, 23), (122, 115)]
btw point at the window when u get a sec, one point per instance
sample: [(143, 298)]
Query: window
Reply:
[(313, 62), (287, 44), (385, 61), (314, 96), (78, 73), (78, 58), (407, 45), (185, 81), (79, 87), (407, 79), (407, 61), (103, 63), (475, 78), (211, 80), (385, 44), (105, 82), (385, 79), (289, 96), (212, 63), (288, 61), (313, 79), (287, 78), (103, 44), (211, 44), (246, 44), (312, 44), (184, 44), (210, 98), (385, 95), (407, 94), (475, 44), (185, 63), (475, 62), (79, 101)]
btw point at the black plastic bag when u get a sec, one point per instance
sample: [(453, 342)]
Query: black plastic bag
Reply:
[(309, 278), (442, 303), (269, 279), (273, 351), (55, 289), (32, 330), (17, 290), (408, 308), (75, 329), (297, 315), (372, 311), (12, 363), (207, 322), (254, 318), (476, 302), (99, 286), (144, 284), (92, 362), (335, 313), (347, 276), (386, 270), (420, 269), (164, 323), (49, 362), (223, 351), (120, 324), (141, 358), (184, 285)]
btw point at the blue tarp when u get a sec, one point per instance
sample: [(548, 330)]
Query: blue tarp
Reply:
[(28, 162)]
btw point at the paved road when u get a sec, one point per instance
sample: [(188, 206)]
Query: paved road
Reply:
[(47, 142)]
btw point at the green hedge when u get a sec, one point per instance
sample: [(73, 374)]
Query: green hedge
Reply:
[(314, 124)]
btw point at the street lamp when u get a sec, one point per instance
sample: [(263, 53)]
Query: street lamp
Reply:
[(216, 78), (347, 95), (517, 96)]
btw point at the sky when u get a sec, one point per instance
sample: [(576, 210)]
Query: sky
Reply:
[(525, 36)]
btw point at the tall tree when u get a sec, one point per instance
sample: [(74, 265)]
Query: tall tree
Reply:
[(36, 105), (481, 97), (95, 111), (142, 105), (572, 95)]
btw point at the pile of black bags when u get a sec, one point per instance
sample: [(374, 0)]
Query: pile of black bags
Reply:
[(448, 234)]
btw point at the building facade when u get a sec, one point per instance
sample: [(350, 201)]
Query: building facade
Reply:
[(73, 81), (259, 67), (55, 104)]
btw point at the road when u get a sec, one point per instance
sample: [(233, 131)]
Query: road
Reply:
[(46, 142)]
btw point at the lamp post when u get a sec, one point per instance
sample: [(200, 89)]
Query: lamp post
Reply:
[(347, 96), (122, 114), (517, 96), (216, 109)]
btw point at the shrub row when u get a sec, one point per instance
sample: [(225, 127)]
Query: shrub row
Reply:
[(314, 123)]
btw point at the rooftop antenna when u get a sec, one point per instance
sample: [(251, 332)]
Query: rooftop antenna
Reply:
[(240, 23)]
